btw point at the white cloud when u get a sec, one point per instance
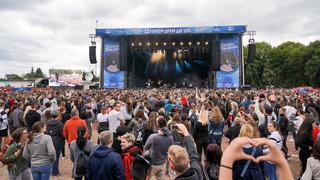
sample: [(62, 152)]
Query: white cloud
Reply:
[(54, 33)]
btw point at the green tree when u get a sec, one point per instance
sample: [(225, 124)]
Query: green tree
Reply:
[(32, 72), (312, 67), (287, 63), (39, 73)]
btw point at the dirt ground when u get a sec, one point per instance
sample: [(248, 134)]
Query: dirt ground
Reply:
[(65, 165)]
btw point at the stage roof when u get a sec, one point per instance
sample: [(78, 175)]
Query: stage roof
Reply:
[(171, 30)]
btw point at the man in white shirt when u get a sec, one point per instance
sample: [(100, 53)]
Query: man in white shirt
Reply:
[(290, 112), (115, 117)]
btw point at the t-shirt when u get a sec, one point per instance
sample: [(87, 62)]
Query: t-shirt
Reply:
[(102, 117), (114, 120), (290, 112)]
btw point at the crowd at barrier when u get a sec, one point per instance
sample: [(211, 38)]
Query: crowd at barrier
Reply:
[(160, 133)]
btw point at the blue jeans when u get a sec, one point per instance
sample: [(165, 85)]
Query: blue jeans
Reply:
[(41, 172), (55, 164), (270, 170)]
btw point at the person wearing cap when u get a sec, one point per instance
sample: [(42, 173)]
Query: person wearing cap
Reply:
[(55, 130)]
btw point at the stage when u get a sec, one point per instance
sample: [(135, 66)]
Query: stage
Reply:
[(206, 57)]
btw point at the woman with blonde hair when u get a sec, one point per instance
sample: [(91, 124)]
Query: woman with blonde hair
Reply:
[(129, 153), (200, 133), (254, 171), (216, 125)]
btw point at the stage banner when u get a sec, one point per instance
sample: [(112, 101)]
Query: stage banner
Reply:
[(229, 74), (113, 77), (171, 30)]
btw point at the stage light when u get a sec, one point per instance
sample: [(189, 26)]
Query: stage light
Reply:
[(198, 43), (175, 54), (164, 43), (173, 44), (148, 44), (156, 43), (140, 44), (190, 43), (132, 44), (181, 43), (206, 43)]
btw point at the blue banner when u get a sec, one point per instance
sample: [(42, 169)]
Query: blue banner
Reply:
[(229, 74), (175, 30), (113, 77), (22, 89)]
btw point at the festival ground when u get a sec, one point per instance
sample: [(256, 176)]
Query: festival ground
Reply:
[(65, 165)]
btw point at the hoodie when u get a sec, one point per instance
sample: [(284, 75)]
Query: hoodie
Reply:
[(105, 164), (158, 144), (40, 151), (55, 130), (195, 169)]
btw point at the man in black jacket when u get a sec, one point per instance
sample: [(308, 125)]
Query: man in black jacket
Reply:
[(184, 162), (55, 130), (32, 116)]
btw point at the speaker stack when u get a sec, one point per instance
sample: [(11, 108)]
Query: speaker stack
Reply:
[(215, 55), (92, 55), (251, 52)]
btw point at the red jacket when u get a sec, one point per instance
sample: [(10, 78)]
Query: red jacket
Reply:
[(315, 132), (127, 159), (71, 126)]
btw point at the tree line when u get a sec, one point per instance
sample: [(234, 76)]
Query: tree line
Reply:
[(288, 65)]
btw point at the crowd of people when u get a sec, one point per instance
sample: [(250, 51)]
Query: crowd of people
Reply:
[(160, 133)]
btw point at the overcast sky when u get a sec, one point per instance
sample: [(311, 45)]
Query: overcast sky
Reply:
[(55, 33)]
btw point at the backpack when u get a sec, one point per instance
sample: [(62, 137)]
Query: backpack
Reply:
[(214, 135), (137, 130), (81, 168), (8, 141), (3, 113)]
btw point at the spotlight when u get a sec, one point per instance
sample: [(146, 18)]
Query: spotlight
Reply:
[(156, 43), (181, 43), (173, 44), (190, 43), (175, 55), (148, 44), (198, 43), (132, 44), (206, 43), (140, 44), (164, 43)]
